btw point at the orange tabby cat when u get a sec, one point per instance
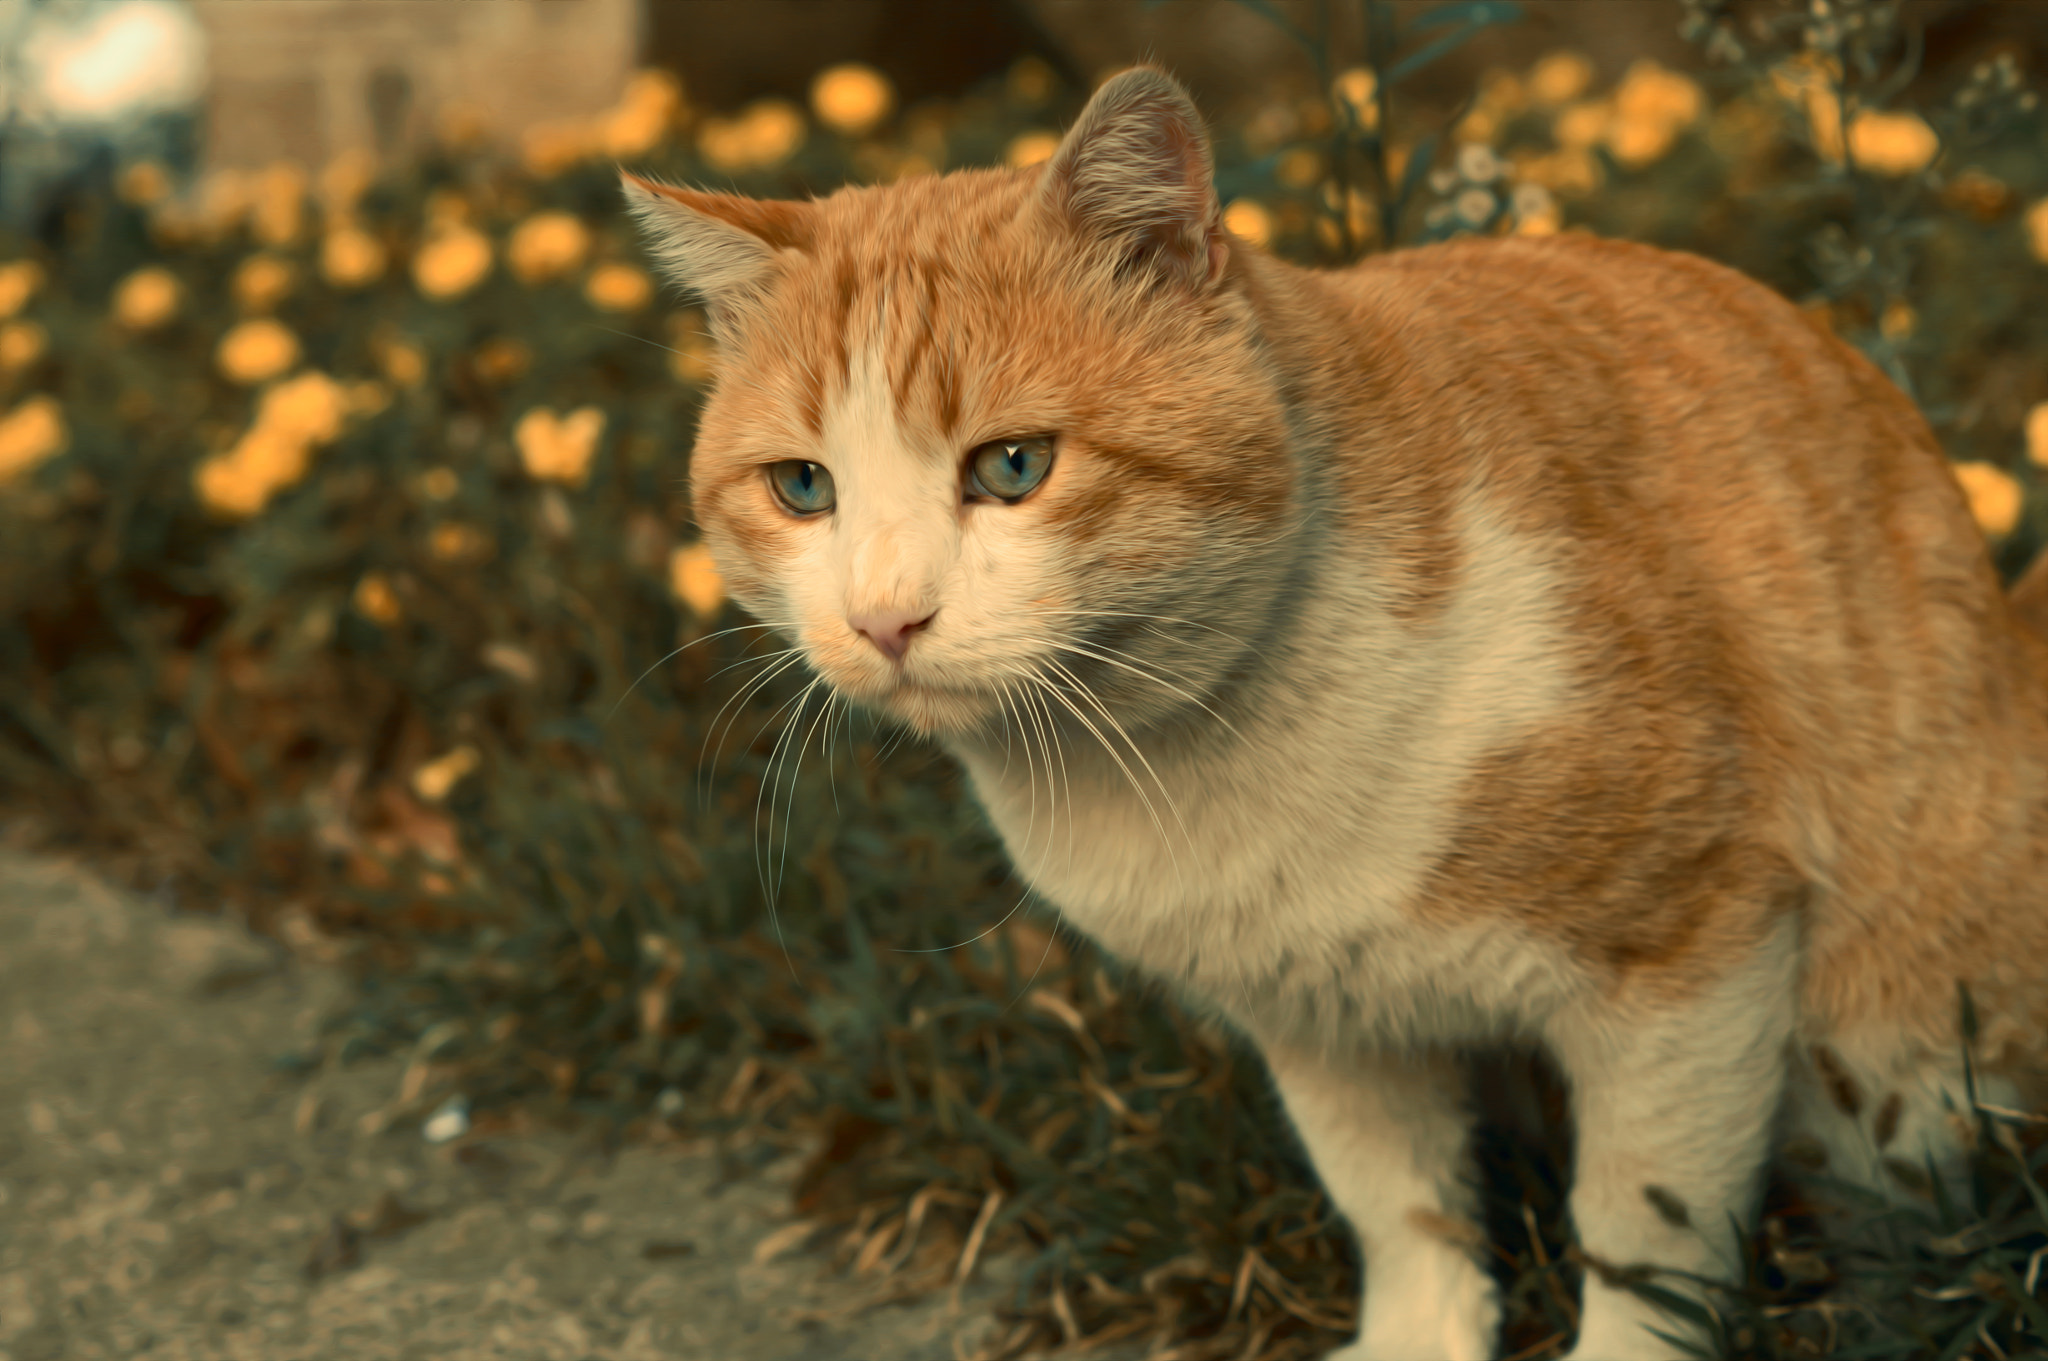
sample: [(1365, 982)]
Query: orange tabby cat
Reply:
[(1511, 640)]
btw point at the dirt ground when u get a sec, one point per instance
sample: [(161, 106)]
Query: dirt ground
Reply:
[(168, 1189)]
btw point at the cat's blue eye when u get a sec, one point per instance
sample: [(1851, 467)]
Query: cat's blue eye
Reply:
[(1008, 469), (804, 487)]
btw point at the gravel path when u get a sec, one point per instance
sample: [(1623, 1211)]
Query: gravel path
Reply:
[(168, 1190)]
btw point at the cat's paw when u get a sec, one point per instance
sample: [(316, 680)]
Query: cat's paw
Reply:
[(1437, 1305)]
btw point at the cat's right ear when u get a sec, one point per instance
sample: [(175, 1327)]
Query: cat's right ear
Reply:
[(718, 246)]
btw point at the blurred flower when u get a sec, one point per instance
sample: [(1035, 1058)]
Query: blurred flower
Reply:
[(547, 149), (1475, 206), (1559, 77), (618, 288), (403, 362), (146, 299), (257, 351), (262, 282), (309, 408), (1355, 91), (1477, 164), (1571, 170), (434, 780), (1892, 143), (513, 660), (559, 448), (350, 257), (1582, 125), (454, 260), (22, 343), (1995, 496), (1299, 168), (1536, 212), (277, 209), (1031, 148), (693, 356), (30, 435), (547, 246), (451, 542), (143, 183), (1652, 106), (367, 397), (2037, 435), (766, 133), (851, 98), (19, 279), (263, 462), (2037, 237), (1898, 320), (439, 484), (1248, 220), (642, 117), (375, 600), (501, 360), (693, 579), (1983, 196)]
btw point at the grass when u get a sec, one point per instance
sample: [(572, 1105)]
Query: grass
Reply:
[(457, 702)]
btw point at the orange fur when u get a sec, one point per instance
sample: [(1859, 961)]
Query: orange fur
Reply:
[(1640, 621)]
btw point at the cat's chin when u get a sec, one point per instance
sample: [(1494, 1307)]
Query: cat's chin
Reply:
[(931, 711)]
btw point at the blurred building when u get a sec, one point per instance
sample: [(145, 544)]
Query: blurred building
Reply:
[(312, 77)]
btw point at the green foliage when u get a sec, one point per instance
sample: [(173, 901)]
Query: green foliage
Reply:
[(436, 705)]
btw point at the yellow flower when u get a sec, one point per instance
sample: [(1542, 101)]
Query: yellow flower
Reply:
[(501, 360), (1583, 124), (547, 149), (1995, 496), (1356, 90), (22, 343), (693, 579), (19, 279), (547, 246), (146, 299), (278, 208), (1299, 168), (1560, 77), (637, 123), (618, 288), (309, 408), (1892, 143), (1651, 107), (454, 260), (261, 283), (1031, 148), (451, 542), (1248, 220), (766, 133), (403, 362), (263, 462), (1898, 320), (2037, 238), (257, 351), (2037, 435), (559, 448), (851, 98), (376, 601), (439, 484), (350, 257), (143, 183), (367, 397), (30, 435), (435, 780)]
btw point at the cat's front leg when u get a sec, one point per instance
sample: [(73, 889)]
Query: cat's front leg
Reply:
[(1674, 1101), (1388, 1136)]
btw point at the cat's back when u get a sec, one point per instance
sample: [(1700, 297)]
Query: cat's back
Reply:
[(1787, 631)]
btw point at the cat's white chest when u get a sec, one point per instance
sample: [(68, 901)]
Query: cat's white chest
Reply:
[(1276, 872)]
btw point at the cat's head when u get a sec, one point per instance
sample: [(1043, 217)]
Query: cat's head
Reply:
[(979, 435)]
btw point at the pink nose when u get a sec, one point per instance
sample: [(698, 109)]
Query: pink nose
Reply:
[(889, 630)]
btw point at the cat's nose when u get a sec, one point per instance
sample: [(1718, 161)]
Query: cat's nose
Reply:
[(889, 630)]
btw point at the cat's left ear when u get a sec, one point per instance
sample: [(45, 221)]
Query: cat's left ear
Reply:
[(1134, 173), (721, 247)]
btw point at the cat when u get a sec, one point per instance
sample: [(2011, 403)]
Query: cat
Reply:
[(1507, 641)]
